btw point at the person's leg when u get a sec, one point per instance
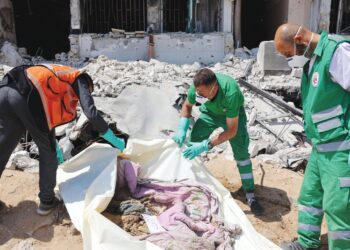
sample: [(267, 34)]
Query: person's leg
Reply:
[(11, 129), (310, 212), (202, 128), (46, 144), (335, 179), (239, 145)]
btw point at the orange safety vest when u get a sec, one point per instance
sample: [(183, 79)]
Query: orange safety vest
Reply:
[(54, 85)]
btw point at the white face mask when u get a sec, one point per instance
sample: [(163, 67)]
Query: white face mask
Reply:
[(299, 61), (201, 99)]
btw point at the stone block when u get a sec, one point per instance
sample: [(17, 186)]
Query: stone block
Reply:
[(269, 60)]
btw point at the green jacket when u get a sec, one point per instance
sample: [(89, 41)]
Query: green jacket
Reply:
[(325, 103)]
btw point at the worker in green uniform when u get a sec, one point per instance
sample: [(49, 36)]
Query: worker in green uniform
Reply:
[(221, 106), (326, 105)]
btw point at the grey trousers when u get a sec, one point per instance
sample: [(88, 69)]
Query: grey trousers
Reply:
[(15, 119)]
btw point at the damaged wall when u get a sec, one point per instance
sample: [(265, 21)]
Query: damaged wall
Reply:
[(179, 48), (121, 49), (7, 23)]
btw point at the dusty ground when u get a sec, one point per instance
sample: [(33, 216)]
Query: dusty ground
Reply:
[(21, 228), (276, 188)]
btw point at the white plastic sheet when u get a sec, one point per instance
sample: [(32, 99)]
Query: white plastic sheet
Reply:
[(87, 184)]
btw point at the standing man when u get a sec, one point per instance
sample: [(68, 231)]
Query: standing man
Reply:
[(221, 106), (326, 104), (38, 99)]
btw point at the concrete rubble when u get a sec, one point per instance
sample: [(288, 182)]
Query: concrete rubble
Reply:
[(272, 131)]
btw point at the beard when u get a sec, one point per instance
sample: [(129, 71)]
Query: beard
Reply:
[(301, 50)]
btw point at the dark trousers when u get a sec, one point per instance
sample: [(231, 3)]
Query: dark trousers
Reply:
[(15, 119)]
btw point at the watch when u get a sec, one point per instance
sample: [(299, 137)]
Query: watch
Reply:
[(210, 145)]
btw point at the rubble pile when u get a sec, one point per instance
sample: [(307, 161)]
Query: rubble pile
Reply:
[(271, 129)]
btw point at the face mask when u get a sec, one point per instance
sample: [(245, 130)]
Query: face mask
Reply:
[(299, 61), (201, 99)]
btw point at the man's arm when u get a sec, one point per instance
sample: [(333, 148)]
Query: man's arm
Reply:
[(232, 127), (186, 110), (88, 106)]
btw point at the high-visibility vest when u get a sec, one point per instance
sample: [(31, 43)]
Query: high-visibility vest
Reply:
[(326, 105), (54, 85)]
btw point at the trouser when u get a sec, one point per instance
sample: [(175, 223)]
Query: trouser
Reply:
[(325, 190), (206, 124), (15, 119)]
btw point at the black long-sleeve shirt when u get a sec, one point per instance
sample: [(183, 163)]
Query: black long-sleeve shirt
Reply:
[(17, 78), (81, 88)]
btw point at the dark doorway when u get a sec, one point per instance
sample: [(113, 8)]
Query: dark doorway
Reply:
[(42, 26), (260, 19), (334, 16), (175, 15), (340, 17), (99, 16)]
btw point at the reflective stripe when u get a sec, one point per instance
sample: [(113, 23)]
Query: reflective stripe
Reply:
[(41, 93), (249, 196), (309, 227), (310, 210), (244, 163), (246, 176), (339, 235), (70, 101), (328, 125), (334, 146), (327, 114), (49, 66), (344, 181), (65, 71)]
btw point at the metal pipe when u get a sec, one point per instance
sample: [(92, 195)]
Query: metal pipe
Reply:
[(265, 127), (340, 16), (276, 101)]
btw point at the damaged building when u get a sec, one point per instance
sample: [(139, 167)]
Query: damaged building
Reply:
[(173, 31)]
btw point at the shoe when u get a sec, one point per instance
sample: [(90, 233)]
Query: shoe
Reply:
[(46, 208), (295, 245), (255, 207)]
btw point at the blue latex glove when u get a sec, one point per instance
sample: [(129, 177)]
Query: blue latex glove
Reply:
[(59, 154), (196, 149), (180, 135), (115, 141)]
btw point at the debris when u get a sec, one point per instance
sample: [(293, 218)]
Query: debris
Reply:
[(9, 55)]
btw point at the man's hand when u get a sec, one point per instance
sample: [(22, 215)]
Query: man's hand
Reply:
[(196, 149), (180, 135), (115, 141)]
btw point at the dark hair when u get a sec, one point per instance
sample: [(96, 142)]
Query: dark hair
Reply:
[(204, 77)]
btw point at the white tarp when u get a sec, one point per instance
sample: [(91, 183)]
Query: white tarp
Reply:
[(87, 184)]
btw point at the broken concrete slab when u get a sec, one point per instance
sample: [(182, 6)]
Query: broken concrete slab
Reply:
[(269, 60), (149, 111)]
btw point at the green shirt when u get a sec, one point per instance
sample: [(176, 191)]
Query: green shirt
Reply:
[(228, 101)]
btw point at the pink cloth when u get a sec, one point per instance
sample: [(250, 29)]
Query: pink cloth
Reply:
[(191, 215)]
